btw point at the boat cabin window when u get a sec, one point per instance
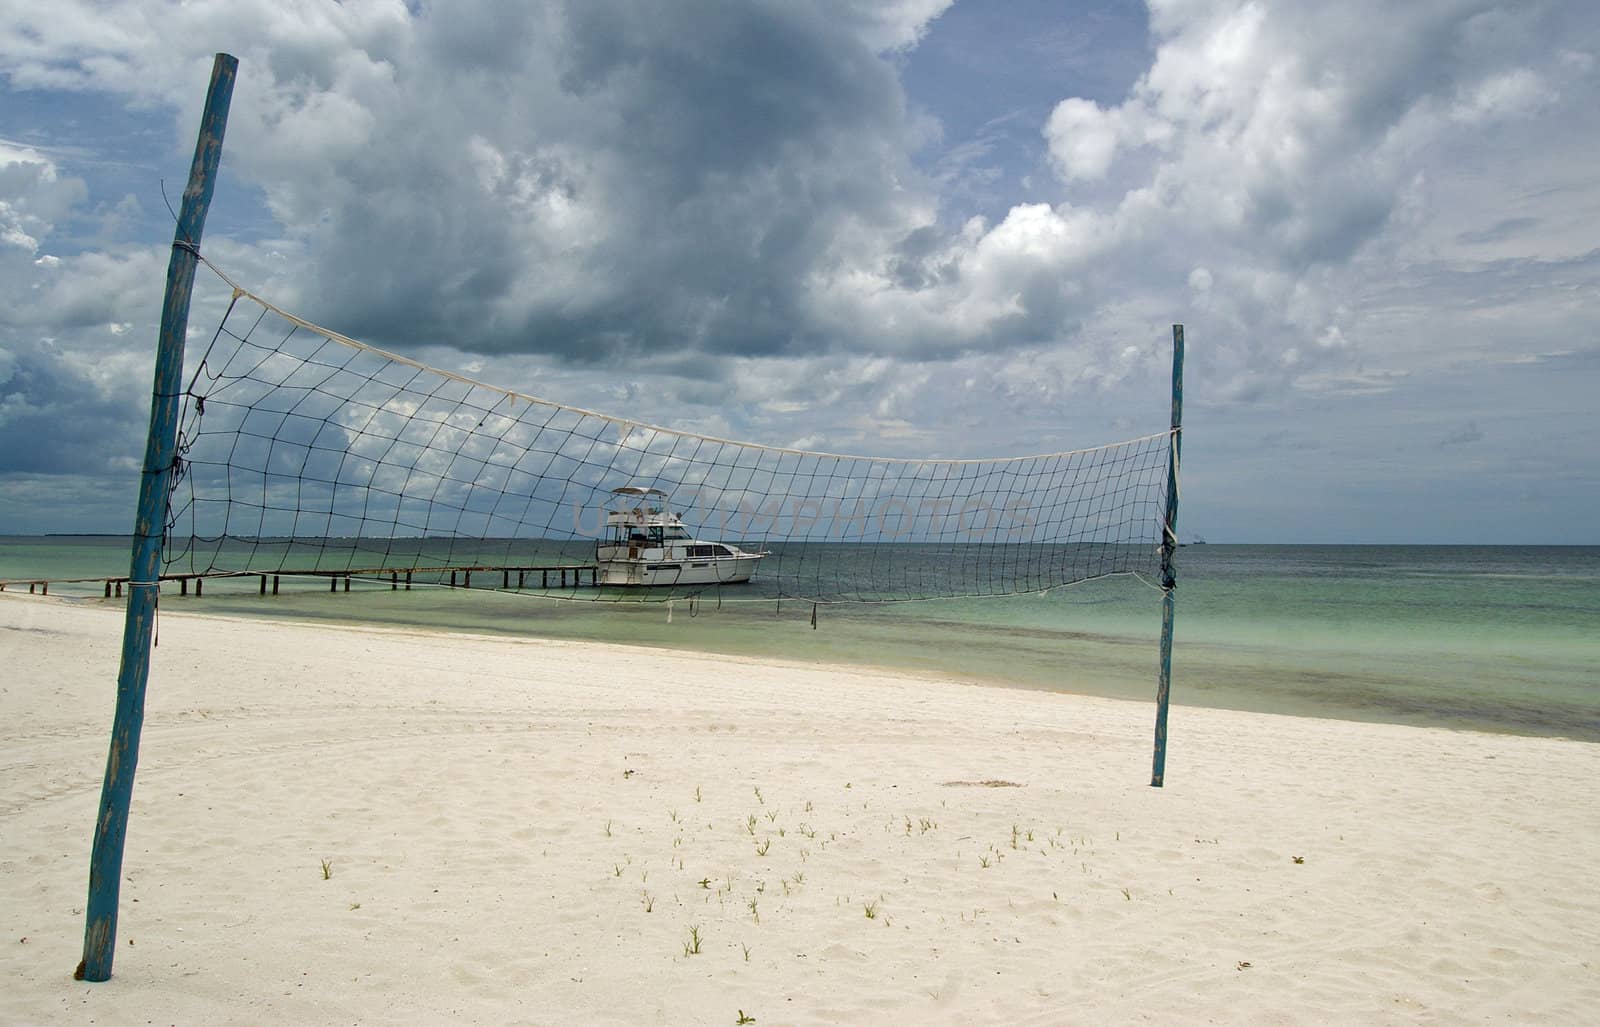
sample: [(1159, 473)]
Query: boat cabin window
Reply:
[(704, 550), (652, 535)]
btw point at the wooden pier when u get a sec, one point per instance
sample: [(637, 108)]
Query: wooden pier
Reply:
[(565, 575)]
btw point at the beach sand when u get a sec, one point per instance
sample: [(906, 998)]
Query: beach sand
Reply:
[(525, 831)]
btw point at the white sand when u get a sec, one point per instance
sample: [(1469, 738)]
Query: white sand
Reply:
[(527, 831)]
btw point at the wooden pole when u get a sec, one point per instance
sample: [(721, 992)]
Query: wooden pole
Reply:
[(105, 861), (1169, 549)]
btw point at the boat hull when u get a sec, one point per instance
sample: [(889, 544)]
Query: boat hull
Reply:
[(643, 572)]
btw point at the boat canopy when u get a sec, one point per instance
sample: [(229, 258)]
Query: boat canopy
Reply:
[(637, 490)]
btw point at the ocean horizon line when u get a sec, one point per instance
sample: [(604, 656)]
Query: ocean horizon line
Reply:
[(550, 538)]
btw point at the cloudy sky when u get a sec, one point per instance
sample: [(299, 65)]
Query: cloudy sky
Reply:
[(901, 227)]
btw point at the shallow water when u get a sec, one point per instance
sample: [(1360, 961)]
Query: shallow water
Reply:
[(1489, 637)]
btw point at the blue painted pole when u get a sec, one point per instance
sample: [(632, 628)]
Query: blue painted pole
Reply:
[(110, 829), (1169, 549)]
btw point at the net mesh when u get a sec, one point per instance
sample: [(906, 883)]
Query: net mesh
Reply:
[(303, 451)]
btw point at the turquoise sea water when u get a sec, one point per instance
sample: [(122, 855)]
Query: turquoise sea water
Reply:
[(1500, 638)]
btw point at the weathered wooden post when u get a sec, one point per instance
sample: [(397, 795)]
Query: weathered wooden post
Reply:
[(144, 584), (1169, 550)]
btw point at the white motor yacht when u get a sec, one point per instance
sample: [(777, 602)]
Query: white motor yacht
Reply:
[(647, 544)]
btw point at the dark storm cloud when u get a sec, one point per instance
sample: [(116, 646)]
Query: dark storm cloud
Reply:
[(686, 167), (59, 419)]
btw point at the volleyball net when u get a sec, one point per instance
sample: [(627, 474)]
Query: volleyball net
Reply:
[(301, 450)]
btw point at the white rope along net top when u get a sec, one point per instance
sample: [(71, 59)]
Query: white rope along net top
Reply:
[(301, 450)]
